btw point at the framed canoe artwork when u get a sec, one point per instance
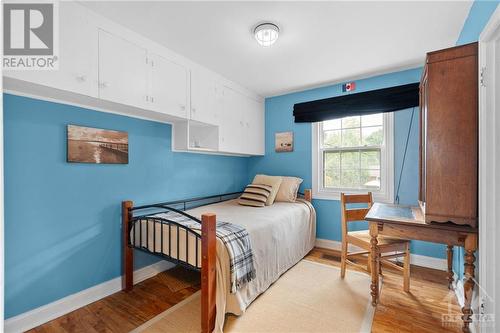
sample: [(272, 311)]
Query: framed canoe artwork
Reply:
[(94, 145), (283, 142)]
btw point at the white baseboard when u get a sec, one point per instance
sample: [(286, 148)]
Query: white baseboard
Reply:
[(48, 312), (416, 259), (430, 262)]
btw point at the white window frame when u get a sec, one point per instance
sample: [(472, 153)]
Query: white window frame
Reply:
[(386, 192)]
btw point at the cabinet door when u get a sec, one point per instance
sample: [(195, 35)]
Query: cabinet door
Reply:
[(452, 139), (254, 127), (77, 55), (168, 87), (203, 97), (122, 71), (231, 129)]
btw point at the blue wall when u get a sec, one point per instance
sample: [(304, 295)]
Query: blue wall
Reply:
[(62, 220), (477, 19), (298, 163), (479, 15)]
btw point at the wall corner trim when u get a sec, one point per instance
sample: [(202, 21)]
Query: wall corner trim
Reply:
[(48, 312), (416, 259)]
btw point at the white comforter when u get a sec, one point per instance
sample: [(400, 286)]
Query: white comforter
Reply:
[(281, 235)]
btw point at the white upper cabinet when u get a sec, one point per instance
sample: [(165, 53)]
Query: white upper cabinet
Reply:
[(122, 71), (168, 87), (205, 99), (241, 124), (231, 129), (77, 55), (254, 127)]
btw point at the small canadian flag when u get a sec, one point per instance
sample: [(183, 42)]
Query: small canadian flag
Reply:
[(349, 86)]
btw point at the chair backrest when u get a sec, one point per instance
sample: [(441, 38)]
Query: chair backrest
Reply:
[(354, 214)]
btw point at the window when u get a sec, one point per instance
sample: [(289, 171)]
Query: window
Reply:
[(353, 154)]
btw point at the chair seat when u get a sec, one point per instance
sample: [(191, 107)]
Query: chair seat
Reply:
[(364, 236), (392, 247)]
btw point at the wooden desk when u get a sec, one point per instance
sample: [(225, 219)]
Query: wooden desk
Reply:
[(408, 222)]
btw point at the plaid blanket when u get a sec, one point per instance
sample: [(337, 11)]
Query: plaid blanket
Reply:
[(237, 242)]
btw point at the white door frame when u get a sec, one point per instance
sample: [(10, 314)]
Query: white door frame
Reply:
[(489, 167), (2, 275)]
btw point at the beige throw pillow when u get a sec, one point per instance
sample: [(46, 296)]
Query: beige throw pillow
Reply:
[(273, 181), (288, 189)]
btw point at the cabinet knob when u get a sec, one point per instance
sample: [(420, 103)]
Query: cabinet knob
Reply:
[(81, 78), (182, 107), (104, 84), (241, 123), (193, 109)]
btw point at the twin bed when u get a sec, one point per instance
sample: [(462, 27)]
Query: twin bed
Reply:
[(281, 235)]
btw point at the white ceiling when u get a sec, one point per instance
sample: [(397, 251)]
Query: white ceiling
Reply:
[(320, 42)]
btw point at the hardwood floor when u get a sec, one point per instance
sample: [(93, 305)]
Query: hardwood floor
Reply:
[(418, 311)]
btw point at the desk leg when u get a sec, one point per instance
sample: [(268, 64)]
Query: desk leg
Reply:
[(449, 252), (469, 282), (375, 262)]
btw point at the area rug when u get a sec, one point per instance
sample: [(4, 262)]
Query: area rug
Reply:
[(179, 278), (310, 297)]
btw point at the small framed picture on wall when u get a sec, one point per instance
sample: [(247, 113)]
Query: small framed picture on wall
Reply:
[(283, 142), (96, 145)]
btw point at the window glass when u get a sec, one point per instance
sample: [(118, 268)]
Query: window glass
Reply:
[(351, 151)]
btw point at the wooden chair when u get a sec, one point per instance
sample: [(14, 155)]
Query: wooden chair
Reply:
[(362, 239)]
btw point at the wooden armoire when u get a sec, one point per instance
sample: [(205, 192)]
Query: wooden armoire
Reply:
[(449, 136)]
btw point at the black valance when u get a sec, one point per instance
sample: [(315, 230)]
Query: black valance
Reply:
[(369, 102)]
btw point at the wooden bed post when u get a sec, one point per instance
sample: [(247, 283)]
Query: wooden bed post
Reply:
[(308, 195), (208, 273), (128, 252)]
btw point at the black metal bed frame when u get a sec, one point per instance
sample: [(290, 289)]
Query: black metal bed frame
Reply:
[(178, 206)]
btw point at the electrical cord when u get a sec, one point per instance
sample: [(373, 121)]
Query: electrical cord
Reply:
[(404, 155)]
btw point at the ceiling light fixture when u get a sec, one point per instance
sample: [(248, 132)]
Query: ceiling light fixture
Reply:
[(266, 33)]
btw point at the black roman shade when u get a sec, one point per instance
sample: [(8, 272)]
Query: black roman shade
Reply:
[(369, 102)]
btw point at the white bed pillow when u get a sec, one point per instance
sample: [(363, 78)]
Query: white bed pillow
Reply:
[(288, 189), (273, 181)]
